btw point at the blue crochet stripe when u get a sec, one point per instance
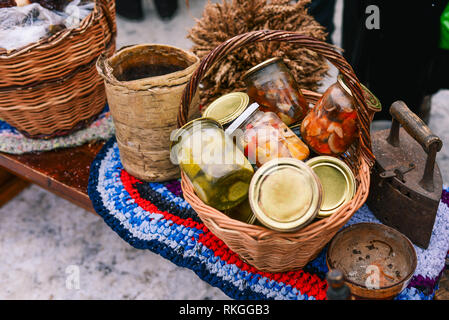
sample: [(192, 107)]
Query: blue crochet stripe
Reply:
[(166, 228), (162, 198), (244, 285), (175, 256), (4, 126)]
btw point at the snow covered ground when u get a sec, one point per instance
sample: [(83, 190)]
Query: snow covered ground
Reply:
[(44, 238)]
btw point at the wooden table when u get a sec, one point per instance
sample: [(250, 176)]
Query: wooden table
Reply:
[(64, 172)]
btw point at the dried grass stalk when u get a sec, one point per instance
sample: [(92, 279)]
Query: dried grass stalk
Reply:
[(221, 21)]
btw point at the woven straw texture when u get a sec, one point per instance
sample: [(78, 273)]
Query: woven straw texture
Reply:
[(51, 87), (144, 110), (266, 249)]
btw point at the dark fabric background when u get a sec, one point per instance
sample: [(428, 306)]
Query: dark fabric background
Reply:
[(401, 60)]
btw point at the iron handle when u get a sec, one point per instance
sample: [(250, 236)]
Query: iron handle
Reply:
[(419, 131), (414, 126)]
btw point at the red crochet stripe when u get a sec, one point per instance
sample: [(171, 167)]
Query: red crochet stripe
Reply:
[(305, 282)]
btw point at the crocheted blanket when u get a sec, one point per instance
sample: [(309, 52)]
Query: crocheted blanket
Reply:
[(155, 216), (13, 142)]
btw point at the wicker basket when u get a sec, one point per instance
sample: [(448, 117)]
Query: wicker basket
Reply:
[(51, 87), (266, 249), (144, 110)]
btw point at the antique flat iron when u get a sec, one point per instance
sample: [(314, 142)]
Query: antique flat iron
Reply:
[(406, 183)]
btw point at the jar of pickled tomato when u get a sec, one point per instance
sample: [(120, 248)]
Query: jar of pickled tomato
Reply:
[(331, 126), (271, 85), (263, 137), (219, 172)]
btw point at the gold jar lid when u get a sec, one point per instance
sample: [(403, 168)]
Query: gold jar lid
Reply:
[(342, 83), (371, 100), (285, 194), (337, 180), (227, 108), (261, 66)]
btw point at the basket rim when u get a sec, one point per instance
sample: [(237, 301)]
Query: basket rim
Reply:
[(178, 77), (49, 83), (261, 233), (53, 40)]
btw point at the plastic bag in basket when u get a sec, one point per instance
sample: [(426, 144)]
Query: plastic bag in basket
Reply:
[(21, 26)]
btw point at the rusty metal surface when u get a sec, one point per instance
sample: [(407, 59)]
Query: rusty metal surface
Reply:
[(406, 182), (359, 249)]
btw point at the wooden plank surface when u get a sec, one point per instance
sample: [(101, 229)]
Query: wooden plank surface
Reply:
[(64, 172)]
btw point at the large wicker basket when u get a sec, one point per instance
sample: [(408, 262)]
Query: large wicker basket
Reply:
[(266, 249), (51, 87)]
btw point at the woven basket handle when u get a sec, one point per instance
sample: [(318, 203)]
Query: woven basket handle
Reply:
[(104, 4), (326, 50)]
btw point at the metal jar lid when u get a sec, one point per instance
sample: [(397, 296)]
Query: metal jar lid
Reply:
[(337, 180), (285, 194), (227, 108), (261, 66), (371, 100), (342, 83)]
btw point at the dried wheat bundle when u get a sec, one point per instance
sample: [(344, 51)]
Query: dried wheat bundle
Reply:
[(221, 21)]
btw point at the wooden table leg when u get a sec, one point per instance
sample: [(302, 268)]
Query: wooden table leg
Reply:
[(10, 186)]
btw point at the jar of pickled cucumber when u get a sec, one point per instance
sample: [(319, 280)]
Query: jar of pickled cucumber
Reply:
[(272, 86), (219, 171), (263, 137), (331, 126)]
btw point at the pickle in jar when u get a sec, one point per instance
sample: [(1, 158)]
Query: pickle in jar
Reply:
[(225, 192), (219, 179)]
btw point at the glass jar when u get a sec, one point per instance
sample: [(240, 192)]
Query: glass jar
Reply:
[(272, 86), (331, 126), (242, 212), (263, 137), (219, 172)]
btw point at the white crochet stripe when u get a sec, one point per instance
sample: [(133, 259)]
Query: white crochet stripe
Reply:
[(430, 261), (16, 143), (226, 272)]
